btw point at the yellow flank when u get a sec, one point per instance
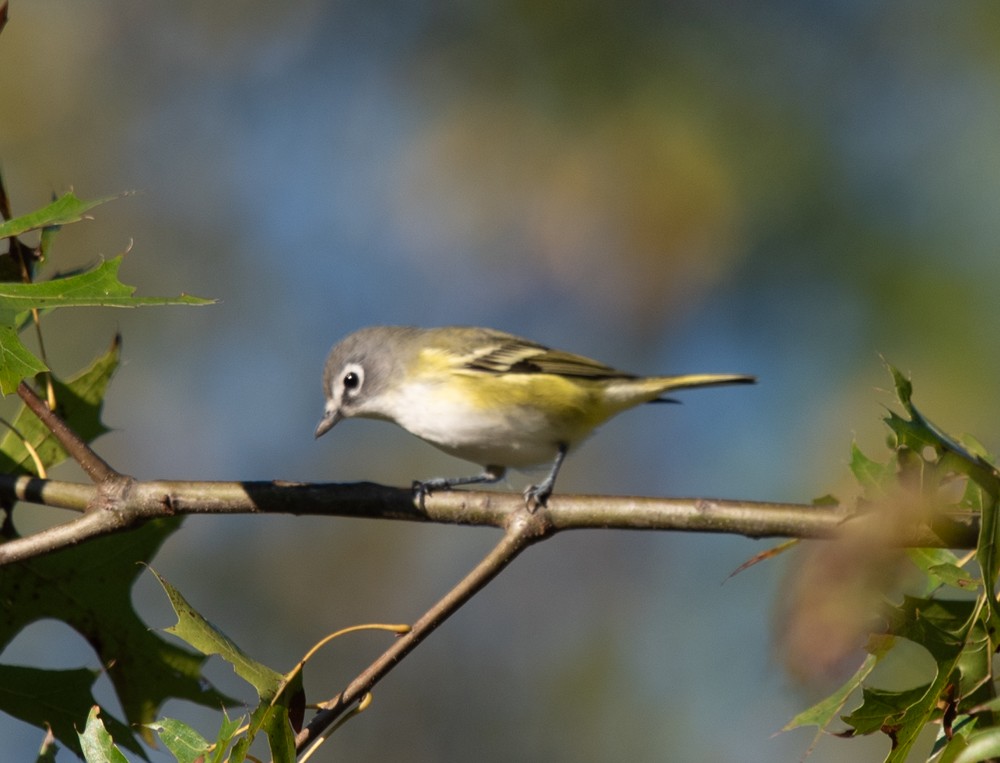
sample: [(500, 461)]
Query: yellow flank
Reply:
[(567, 402)]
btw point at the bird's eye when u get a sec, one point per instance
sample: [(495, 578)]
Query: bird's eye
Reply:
[(352, 377)]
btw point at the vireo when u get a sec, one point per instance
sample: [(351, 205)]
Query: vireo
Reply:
[(485, 396)]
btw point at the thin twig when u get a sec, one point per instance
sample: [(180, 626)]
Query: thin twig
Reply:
[(524, 529), (96, 467), (90, 525)]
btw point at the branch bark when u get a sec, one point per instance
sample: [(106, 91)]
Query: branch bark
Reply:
[(121, 502), (523, 529), (96, 467)]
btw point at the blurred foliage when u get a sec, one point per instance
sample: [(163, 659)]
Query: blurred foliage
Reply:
[(928, 475)]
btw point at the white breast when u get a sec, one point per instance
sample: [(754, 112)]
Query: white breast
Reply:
[(518, 437)]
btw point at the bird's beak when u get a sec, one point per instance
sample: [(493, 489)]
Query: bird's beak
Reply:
[(329, 420)]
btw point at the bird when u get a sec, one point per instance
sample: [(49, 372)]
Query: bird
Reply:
[(485, 396)]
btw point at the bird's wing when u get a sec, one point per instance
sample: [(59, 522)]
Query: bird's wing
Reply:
[(512, 355)]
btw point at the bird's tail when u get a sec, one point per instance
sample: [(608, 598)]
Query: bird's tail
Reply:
[(670, 383)]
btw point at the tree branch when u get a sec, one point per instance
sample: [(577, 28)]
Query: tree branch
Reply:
[(523, 529), (122, 502), (96, 467)]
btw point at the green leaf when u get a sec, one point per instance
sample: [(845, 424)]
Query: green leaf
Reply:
[(918, 432), (882, 710), (955, 576), (55, 698), (16, 361), (948, 749), (64, 210), (186, 744), (227, 732), (926, 558), (80, 400), (942, 567), (974, 671), (824, 712), (272, 719), (89, 587), (911, 434), (953, 633), (941, 626), (871, 475), (988, 552), (960, 635), (98, 287), (96, 742), (983, 745), (45, 242), (904, 387), (198, 632), (276, 693)]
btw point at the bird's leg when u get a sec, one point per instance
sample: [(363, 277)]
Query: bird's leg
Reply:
[(537, 495), (490, 475)]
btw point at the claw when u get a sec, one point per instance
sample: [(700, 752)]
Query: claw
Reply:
[(536, 496), (423, 489), (419, 493)]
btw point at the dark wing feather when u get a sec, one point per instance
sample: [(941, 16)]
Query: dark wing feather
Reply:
[(517, 356)]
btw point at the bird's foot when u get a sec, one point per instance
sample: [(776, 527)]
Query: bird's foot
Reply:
[(536, 496), (422, 489)]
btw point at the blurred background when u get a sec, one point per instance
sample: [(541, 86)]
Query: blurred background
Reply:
[(786, 190)]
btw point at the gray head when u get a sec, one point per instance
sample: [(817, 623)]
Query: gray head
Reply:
[(360, 368)]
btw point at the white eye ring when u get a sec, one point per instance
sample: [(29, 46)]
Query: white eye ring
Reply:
[(352, 379)]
